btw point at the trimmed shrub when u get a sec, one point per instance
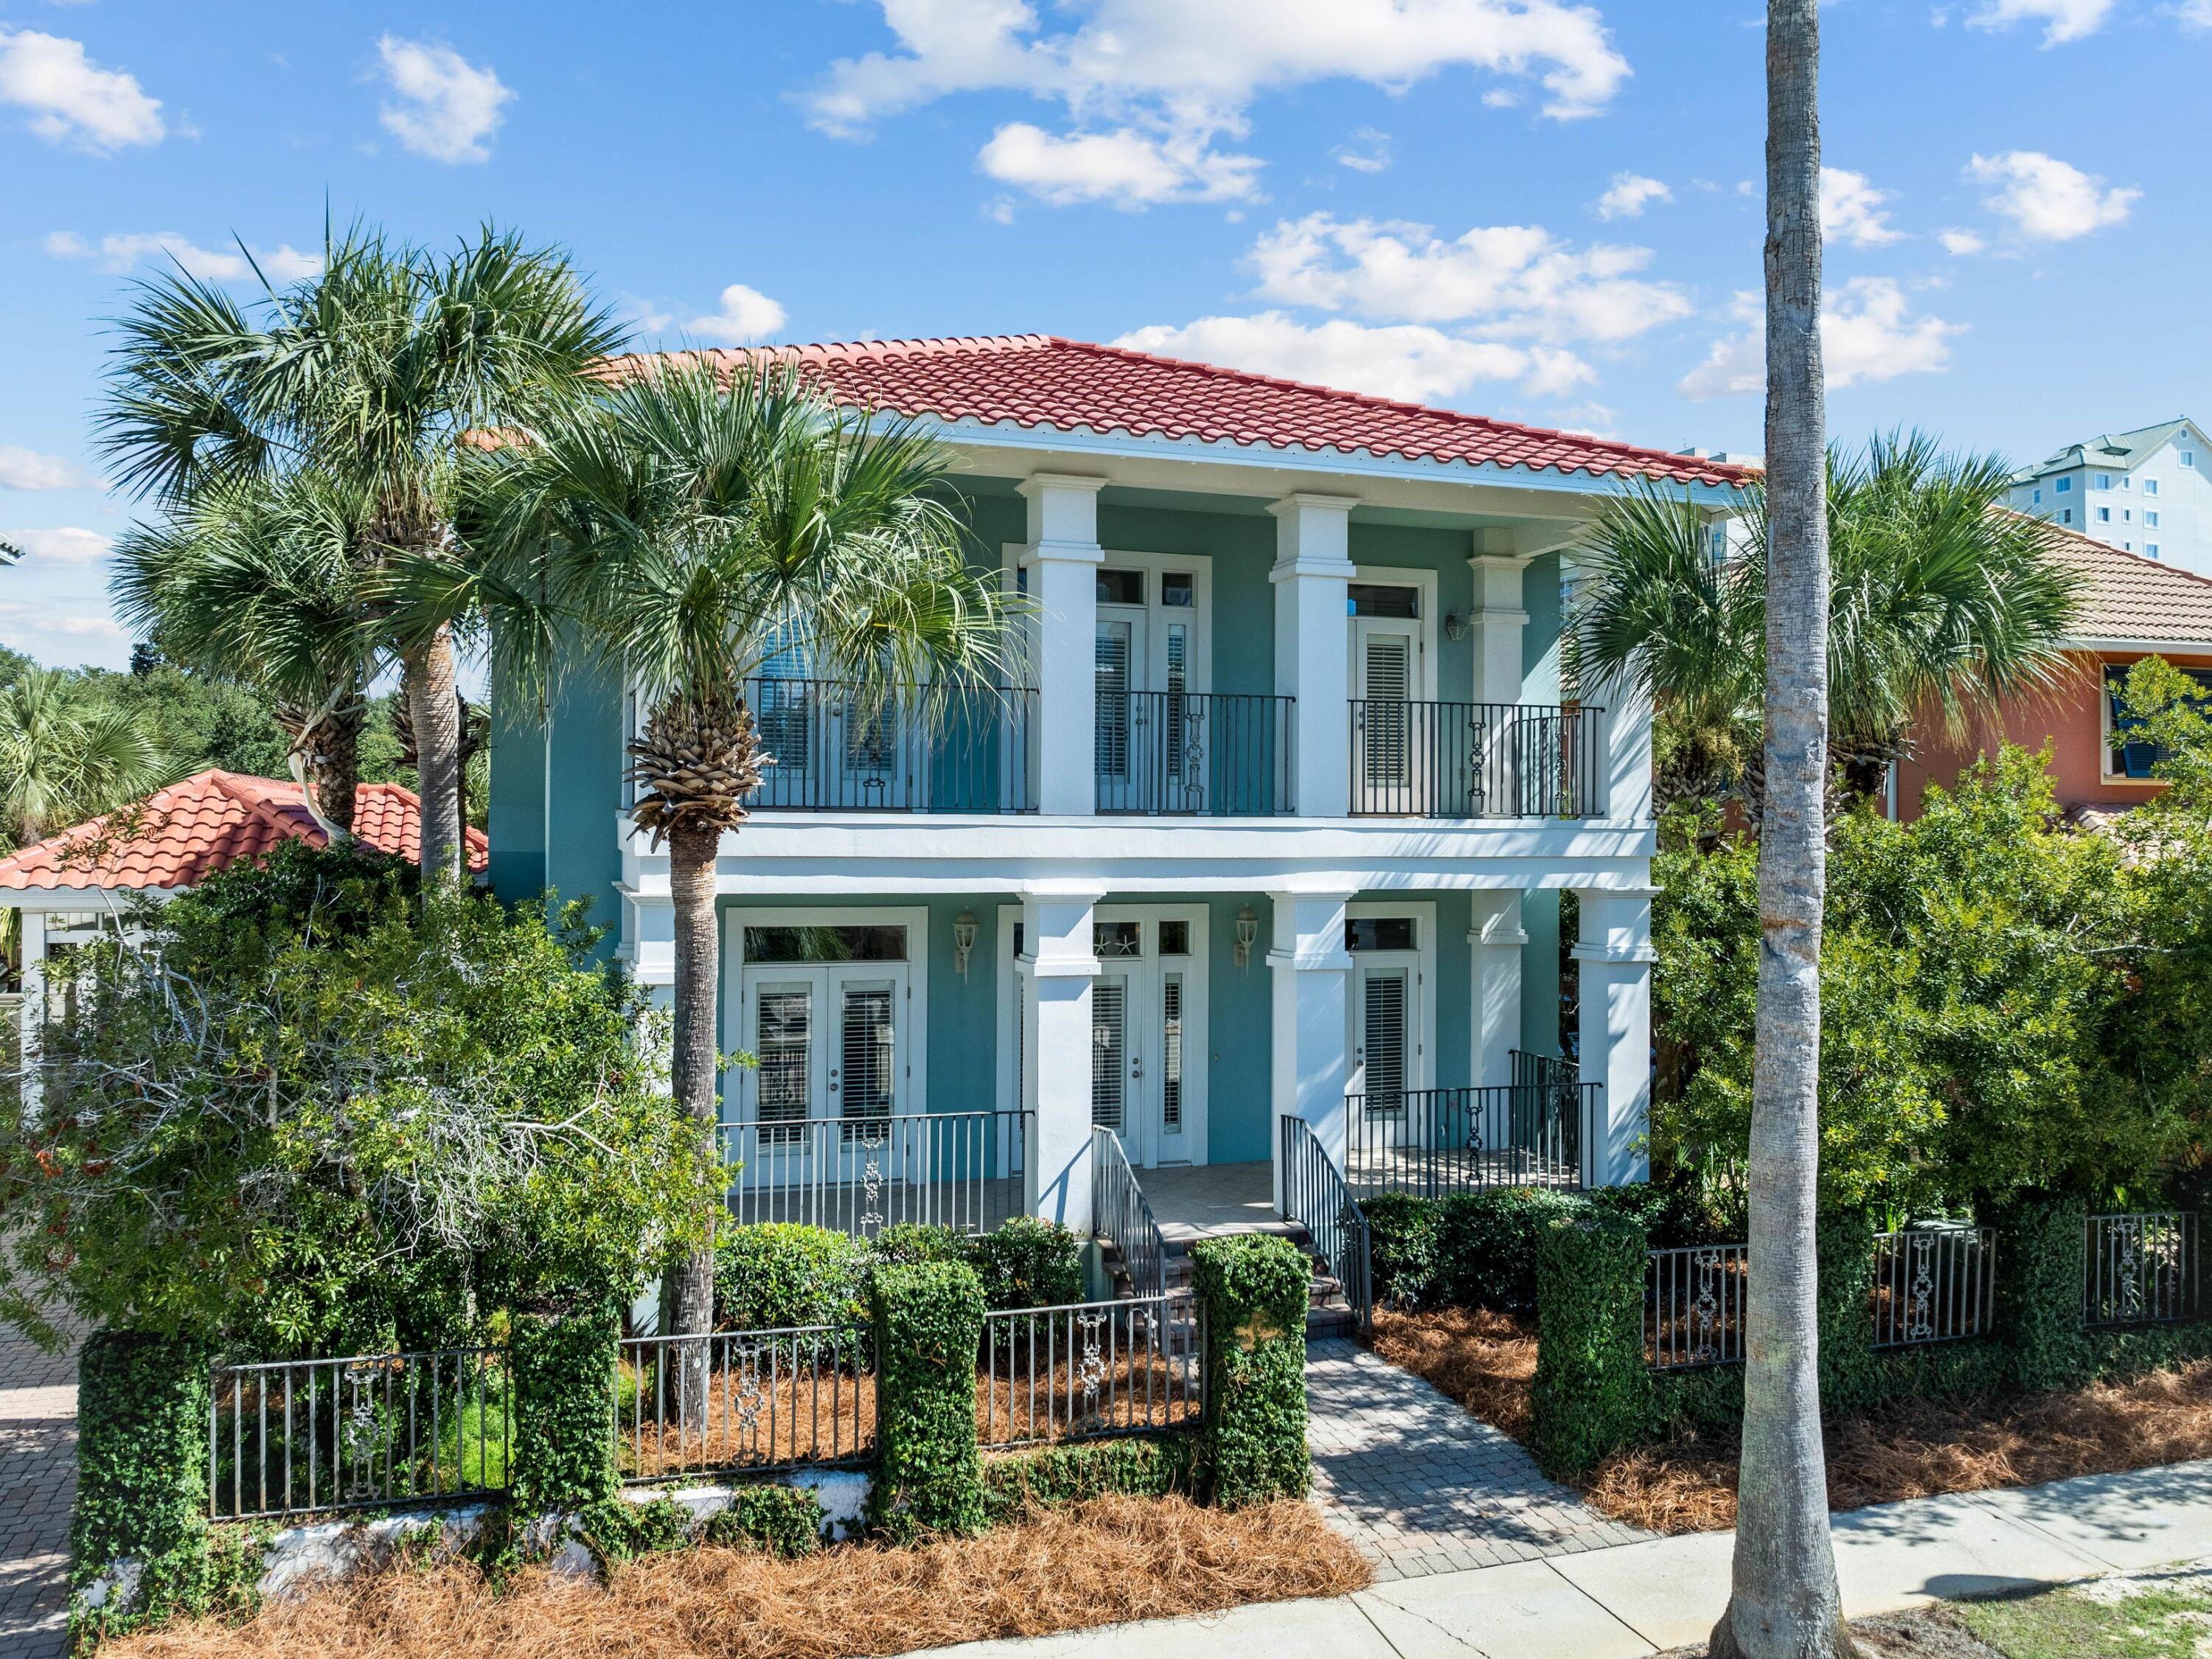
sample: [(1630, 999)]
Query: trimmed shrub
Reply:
[(784, 1521), (1593, 1395), (1489, 1243), (1026, 1262), (1405, 1249), (2042, 1275), (1023, 1481), (1669, 1219), (1254, 1288), (905, 1242), (928, 1326), (564, 1410), (779, 1273), (1852, 1376), (142, 1483)]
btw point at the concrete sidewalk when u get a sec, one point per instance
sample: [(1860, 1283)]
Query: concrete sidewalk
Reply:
[(1637, 1599)]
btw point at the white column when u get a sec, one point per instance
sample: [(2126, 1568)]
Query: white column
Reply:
[(1308, 1071), (1062, 556), (1627, 761), (1497, 621), (1615, 952), (1313, 568), (1495, 1018), (1058, 961), (32, 1009)]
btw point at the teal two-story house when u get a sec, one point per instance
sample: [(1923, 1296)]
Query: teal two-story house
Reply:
[(1265, 863)]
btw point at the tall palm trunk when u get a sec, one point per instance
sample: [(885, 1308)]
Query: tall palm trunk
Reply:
[(693, 1074), (432, 703), (1784, 1601)]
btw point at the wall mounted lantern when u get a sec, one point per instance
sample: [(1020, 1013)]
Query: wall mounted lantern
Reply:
[(964, 941), (1248, 929)]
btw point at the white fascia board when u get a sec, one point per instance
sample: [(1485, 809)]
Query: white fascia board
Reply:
[(2154, 647), (68, 899), (1338, 463)]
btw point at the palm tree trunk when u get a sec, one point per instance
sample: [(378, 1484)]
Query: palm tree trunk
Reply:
[(694, 1075), (432, 703), (1784, 1601), (335, 767)]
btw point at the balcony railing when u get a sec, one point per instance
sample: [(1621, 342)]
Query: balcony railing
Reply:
[(1435, 1141), (1198, 754), (1475, 760), (839, 748), (860, 1175)]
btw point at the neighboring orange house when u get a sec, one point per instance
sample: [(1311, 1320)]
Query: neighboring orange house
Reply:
[(2132, 607)]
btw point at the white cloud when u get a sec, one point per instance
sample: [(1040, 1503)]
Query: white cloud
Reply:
[(1851, 209), (121, 250), (2061, 20), (71, 98), (1868, 332), (2195, 13), (27, 469), (1960, 242), (1126, 168), (1180, 76), (1629, 194), (747, 314), (447, 108), (1370, 150), (64, 545), (2049, 200), (1516, 279), (1402, 361)]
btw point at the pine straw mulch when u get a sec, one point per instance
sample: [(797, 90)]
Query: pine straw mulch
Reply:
[(1106, 1561), (1907, 1449)]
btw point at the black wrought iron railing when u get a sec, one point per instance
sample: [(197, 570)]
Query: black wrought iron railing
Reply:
[(1194, 754), (860, 1175), (839, 747), (1090, 1370), (1435, 1141), (744, 1400), (1316, 1195), (1123, 1215), (1936, 1283), (2142, 1268), (1476, 760), (1694, 1301)]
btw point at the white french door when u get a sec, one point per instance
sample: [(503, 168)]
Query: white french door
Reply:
[(1387, 756), (830, 1041), (1385, 1040), (1122, 669), (1148, 1035)]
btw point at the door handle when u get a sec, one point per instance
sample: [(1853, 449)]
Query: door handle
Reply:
[(1137, 1067)]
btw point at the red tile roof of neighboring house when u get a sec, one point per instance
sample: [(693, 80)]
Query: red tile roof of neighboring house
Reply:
[(1038, 380), (2129, 597), (183, 834)]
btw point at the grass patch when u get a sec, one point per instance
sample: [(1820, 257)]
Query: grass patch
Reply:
[(1106, 1561), (1910, 1448), (2169, 1620)]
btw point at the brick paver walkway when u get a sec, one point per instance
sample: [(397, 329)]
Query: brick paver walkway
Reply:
[(1420, 1486), (38, 1478)]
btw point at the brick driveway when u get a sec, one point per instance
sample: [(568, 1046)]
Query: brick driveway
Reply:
[(1420, 1486), (38, 1476)]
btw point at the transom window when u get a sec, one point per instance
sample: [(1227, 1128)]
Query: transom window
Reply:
[(1378, 933), (1117, 939), (1120, 586), (837, 942), (1376, 599)]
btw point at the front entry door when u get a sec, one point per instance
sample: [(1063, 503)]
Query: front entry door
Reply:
[(831, 1046), (1121, 668), (1384, 1040), (1147, 1038)]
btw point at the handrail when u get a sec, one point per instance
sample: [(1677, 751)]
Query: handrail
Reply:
[(1123, 1215), (1434, 1142), (1315, 1195), (1476, 760), (1195, 753)]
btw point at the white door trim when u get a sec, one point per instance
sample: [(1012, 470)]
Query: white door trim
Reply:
[(1425, 625), (1422, 1073)]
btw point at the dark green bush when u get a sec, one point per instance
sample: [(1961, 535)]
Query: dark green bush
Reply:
[(2042, 1271), (928, 1321), (1851, 1376), (1018, 1483), (1669, 1218), (784, 1521), (563, 1368), (1593, 1394), (1253, 1288), (1028, 1263), (141, 1484), (1404, 1247), (780, 1273), (905, 1242), (615, 1530), (1489, 1243)]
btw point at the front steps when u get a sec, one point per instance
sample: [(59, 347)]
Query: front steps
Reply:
[(1328, 1313)]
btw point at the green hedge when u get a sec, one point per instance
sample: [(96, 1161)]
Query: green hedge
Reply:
[(905, 1242), (563, 1367), (2042, 1271), (774, 1274), (1405, 1249), (1253, 1289), (1022, 1482), (142, 1483), (1478, 1249), (784, 1521), (1593, 1392), (1026, 1262), (928, 1321)]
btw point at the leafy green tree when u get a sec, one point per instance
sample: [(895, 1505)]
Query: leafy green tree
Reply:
[(310, 1113), (66, 755)]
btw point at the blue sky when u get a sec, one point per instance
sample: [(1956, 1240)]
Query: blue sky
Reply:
[(1542, 211)]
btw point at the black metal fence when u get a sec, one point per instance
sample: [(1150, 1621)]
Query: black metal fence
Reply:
[(293, 1437), (1693, 1306), (1435, 1141), (749, 1402), (1316, 1195), (860, 1175), (1123, 1215), (845, 748), (2142, 1268), (1476, 760), (1087, 1370), (1934, 1284), (1218, 754)]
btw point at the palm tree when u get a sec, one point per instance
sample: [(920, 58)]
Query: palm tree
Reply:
[(373, 373), (258, 578), (65, 755), (1783, 1602), (695, 529)]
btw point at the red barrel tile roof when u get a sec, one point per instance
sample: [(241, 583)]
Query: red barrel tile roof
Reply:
[(183, 834), (1039, 379)]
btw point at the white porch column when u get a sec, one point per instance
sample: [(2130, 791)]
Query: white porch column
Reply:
[(1497, 622), (1495, 1018), (1059, 964), (1308, 1071), (1615, 952), (1313, 568), (1627, 760), (1062, 556)]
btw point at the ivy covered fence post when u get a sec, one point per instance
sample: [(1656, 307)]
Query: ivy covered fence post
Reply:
[(562, 1372), (1252, 1294), (928, 1327), (1593, 1393), (2042, 1290)]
